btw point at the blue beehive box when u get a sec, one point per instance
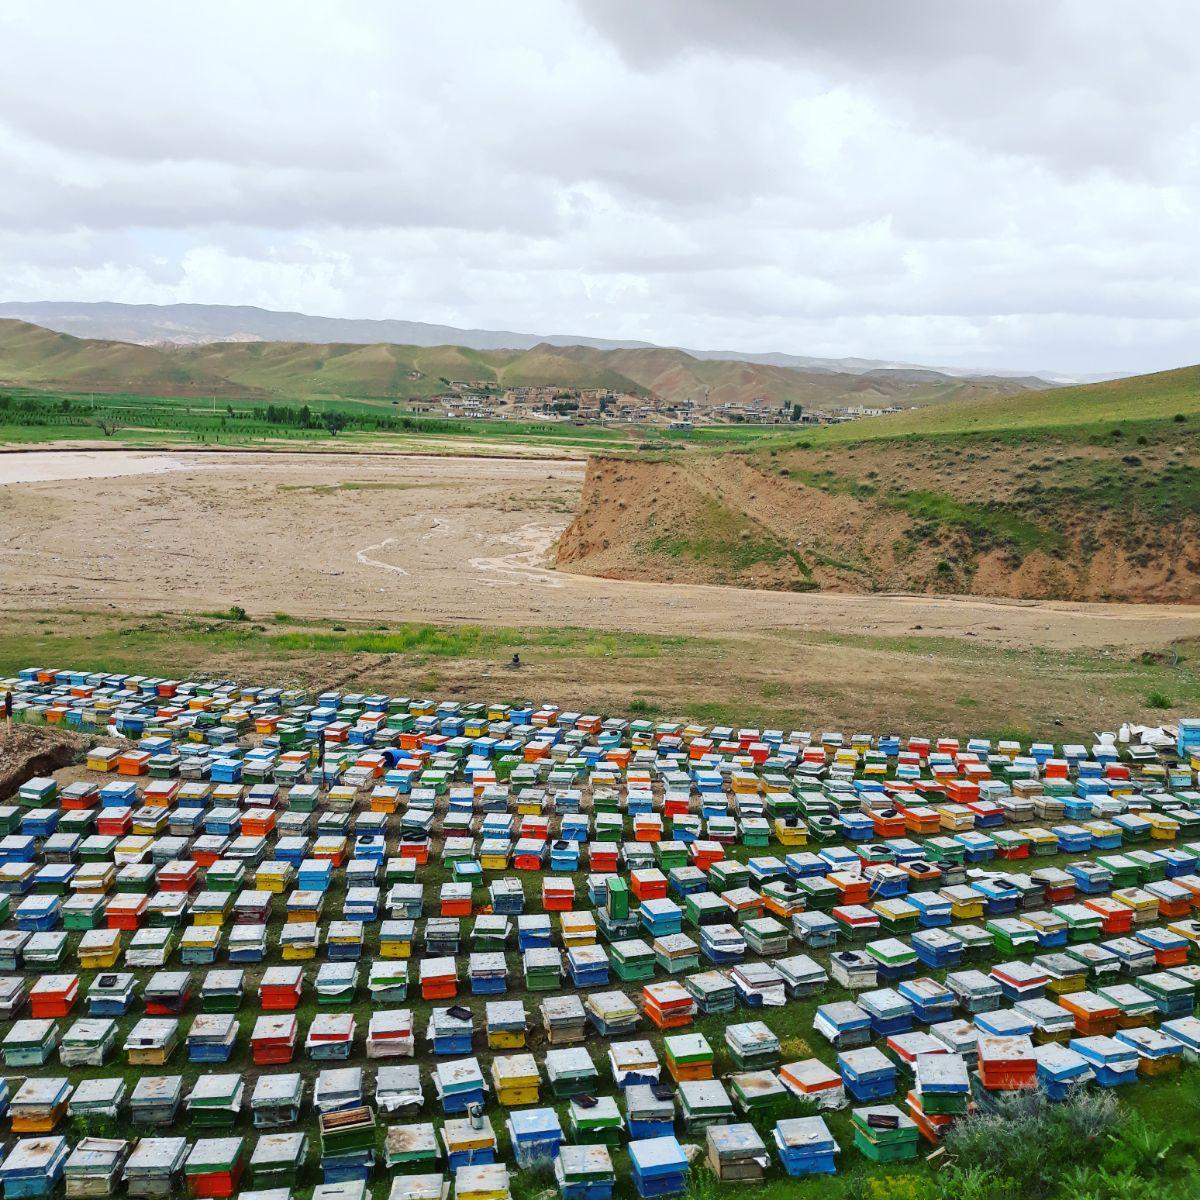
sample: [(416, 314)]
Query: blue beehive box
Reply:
[(659, 1166), (805, 1146), (867, 1073), (1060, 1070), (937, 948), (536, 1135), (933, 911), (1115, 1063)]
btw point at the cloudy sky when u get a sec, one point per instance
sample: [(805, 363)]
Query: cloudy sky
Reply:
[(982, 184)]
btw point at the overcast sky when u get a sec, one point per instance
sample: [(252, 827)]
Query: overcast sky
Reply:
[(1007, 183)]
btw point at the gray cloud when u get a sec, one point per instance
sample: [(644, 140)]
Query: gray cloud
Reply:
[(980, 184)]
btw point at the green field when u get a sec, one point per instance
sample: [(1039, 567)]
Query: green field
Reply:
[(1159, 398)]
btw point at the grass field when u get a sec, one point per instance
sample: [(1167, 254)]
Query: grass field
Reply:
[(1161, 397), (793, 679), (31, 417)]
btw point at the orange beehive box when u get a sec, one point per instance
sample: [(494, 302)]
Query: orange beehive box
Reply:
[(133, 762)]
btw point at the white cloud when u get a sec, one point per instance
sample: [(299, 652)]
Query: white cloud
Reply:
[(992, 185)]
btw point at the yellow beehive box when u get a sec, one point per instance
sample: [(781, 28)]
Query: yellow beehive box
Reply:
[(577, 928), (99, 949), (516, 1080), (273, 877), (102, 758), (201, 938)]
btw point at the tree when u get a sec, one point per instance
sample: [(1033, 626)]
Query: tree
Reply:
[(334, 422), (107, 425)]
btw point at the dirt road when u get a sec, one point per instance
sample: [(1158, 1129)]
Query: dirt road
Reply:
[(423, 538)]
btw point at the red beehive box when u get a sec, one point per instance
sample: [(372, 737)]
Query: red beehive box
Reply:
[(258, 822), (602, 857), (1007, 1063), (53, 996), (669, 1005), (116, 821), (126, 910), (273, 1039), (962, 791), (558, 895), (82, 798), (922, 821), (279, 989), (417, 849), (889, 824), (852, 889), (649, 883), (160, 793), (439, 978), (178, 875), (534, 827), (1116, 918), (676, 806), (704, 853), (647, 827)]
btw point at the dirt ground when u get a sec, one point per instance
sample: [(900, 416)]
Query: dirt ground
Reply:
[(423, 538)]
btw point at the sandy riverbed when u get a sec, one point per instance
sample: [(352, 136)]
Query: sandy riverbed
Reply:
[(418, 538)]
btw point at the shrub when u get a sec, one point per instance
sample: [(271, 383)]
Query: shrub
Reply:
[(1159, 700)]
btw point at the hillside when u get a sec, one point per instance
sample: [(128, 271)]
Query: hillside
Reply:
[(35, 357), (1076, 500), (199, 324), (1159, 396)]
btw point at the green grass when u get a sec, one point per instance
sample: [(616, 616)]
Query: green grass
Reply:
[(717, 536), (1120, 403)]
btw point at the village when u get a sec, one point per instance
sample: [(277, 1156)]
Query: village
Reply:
[(481, 400)]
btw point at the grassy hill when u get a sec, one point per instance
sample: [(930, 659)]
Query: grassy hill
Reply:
[(1088, 493), (34, 357), (1157, 397)]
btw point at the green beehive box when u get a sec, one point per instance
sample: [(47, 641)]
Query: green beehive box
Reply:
[(98, 848), (79, 821), (1150, 868), (632, 960), (728, 874), (1124, 870), (225, 875), (671, 854), (83, 911), (819, 894), (136, 879), (943, 849), (601, 1124), (618, 898), (898, 1144)]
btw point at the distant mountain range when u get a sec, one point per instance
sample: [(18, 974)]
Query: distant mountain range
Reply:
[(198, 324), (34, 356)]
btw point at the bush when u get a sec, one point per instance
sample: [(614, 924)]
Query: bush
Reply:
[(1029, 1142), (1159, 700)]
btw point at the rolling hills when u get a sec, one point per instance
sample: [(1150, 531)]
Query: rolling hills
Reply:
[(32, 356)]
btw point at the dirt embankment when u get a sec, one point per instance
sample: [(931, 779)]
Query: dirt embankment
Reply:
[(1082, 525), (27, 751)]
